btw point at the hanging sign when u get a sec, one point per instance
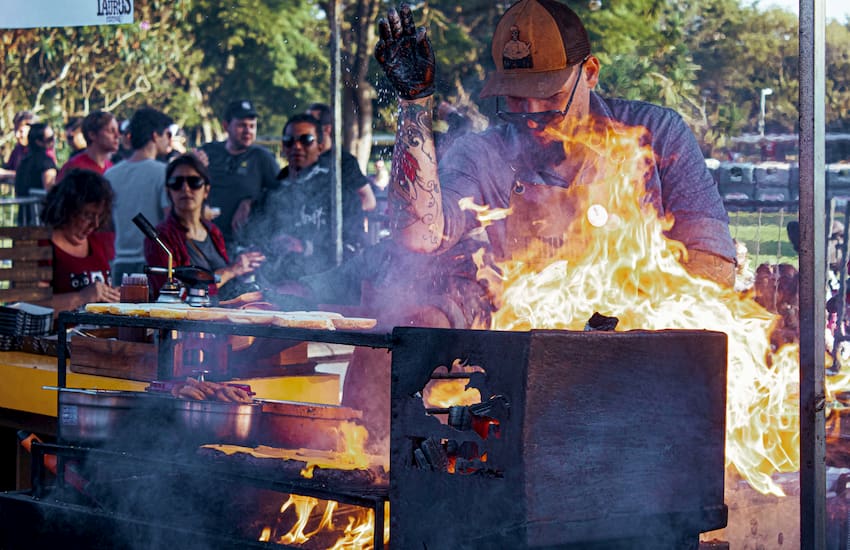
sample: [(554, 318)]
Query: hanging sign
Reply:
[(26, 14)]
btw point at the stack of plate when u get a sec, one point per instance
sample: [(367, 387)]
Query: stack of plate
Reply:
[(23, 319)]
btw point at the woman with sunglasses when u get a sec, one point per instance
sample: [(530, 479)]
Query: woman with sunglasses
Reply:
[(191, 238), (75, 208), (38, 169)]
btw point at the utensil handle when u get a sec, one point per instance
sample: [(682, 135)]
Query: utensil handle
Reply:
[(145, 226)]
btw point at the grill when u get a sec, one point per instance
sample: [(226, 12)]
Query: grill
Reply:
[(608, 438), (569, 440)]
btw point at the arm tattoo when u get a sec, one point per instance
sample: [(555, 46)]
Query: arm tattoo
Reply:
[(415, 194)]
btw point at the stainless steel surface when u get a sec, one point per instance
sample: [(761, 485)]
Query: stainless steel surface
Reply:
[(119, 418), (293, 425), (100, 416), (217, 421)]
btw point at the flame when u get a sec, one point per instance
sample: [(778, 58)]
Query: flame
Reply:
[(360, 526), (303, 507), (446, 393), (484, 213), (617, 261), (356, 535)]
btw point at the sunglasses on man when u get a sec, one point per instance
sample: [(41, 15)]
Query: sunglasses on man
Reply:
[(542, 118), (176, 182), (305, 140)]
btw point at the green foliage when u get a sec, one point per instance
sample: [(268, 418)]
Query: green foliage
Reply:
[(838, 76), (708, 59), (271, 51), (765, 236)]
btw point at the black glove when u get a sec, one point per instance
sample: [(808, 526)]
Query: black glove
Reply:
[(405, 54)]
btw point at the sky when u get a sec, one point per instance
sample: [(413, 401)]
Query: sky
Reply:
[(836, 9)]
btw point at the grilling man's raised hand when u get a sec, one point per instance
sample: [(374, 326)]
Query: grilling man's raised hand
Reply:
[(405, 54)]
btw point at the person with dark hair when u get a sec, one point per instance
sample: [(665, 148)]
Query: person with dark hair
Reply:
[(75, 208), (192, 239), (21, 123), (139, 186), (38, 169), (242, 172), (125, 148), (101, 133), (294, 225), (74, 137), (352, 176)]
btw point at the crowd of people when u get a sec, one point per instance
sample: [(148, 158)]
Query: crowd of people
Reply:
[(225, 200)]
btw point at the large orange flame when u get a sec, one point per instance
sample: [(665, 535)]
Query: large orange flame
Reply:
[(451, 392), (356, 535), (618, 262)]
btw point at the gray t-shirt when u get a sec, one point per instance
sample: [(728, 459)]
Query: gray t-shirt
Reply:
[(139, 186), (204, 254)]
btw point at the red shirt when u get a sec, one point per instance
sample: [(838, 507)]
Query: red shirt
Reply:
[(72, 274), (173, 235), (84, 161)]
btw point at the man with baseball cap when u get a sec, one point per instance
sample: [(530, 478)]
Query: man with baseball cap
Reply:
[(544, 78), (240, 170)]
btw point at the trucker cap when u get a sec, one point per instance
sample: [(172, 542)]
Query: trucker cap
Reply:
[(240, 108), (535, 44)]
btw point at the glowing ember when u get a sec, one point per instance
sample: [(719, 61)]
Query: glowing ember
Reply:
[(354, 457), (617, 261), (311, 457)]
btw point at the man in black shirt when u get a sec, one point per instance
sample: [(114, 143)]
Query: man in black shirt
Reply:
[(294, 228), (241, 172), (351, 174)]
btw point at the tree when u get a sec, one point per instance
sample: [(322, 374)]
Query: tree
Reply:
[(62, 71), (270, 51), (838, 76)]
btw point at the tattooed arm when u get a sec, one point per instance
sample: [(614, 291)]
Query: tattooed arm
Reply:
[(416, 203), (405, 54)]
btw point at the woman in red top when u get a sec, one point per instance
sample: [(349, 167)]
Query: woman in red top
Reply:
[(191, 238), (75, 208)]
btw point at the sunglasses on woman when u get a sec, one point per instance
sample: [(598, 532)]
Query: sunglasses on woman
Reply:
[(304, 139), (176, 182)]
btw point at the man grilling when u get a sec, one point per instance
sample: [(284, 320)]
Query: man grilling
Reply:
[(553, 91), (518, 165)]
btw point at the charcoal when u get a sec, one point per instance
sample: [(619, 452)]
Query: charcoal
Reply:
[(496, 407), (468, 449), (421, 461), (290, 470), (598, 321), (435, 454), (460, 418)]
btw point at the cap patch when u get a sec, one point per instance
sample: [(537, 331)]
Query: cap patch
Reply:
[(516, 54)]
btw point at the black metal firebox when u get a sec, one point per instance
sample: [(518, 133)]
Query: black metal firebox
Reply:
[(605, 438), (572, 440)]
